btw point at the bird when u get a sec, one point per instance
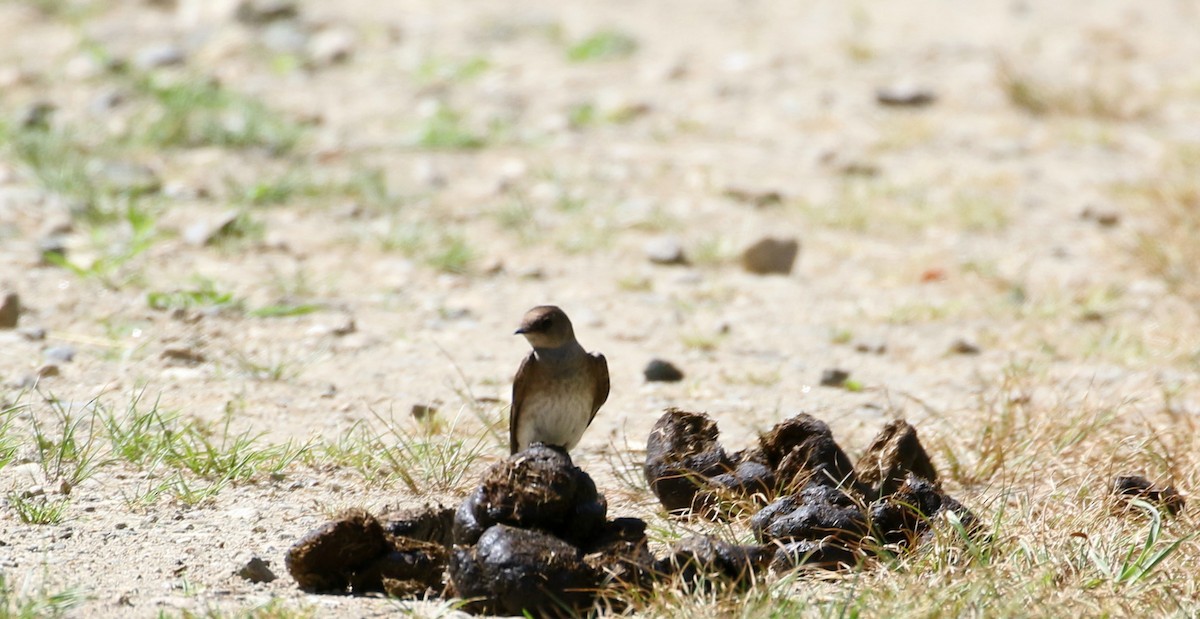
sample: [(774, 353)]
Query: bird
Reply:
[(559, 387)]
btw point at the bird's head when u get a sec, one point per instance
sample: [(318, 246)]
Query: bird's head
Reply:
[(546, 326)]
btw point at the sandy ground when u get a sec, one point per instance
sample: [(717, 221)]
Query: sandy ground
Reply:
[(919, 226)]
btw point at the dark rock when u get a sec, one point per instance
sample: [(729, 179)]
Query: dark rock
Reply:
[(771, 255), (536, 488), (834, 377), (681, 453), (421, 412), (801, 449), (828, 555), (259, 12), (408, 568), (875, 347), (904, 95), (963, 346), (701, 559), (659, 370), (326, 558), (59, 354), (1103, 216), (256, 570), (665, 250), (10, 310), (892, 456), (760, 198), (182, 355), (1128, 487), (431, 523), (515, 571)]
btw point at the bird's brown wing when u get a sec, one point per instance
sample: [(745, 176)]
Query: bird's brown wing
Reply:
[(521, 383), (598, 368)]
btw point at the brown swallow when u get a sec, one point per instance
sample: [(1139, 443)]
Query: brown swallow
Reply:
[(559, 386)]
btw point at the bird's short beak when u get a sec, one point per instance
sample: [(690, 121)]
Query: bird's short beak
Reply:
[(520, 331)]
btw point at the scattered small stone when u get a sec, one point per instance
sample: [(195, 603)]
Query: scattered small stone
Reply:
[(187, 356), (61, 354), (759, 198), (260, 12), (874, 347), (332, 46), (963, 346), (771, 255), (1103, 216), (33, 334), (125, 177), (834, 377), (105, 102), (156, 56), (10, 310), (35, 115), (285, 37), (659, 370), (865, 169), (256, 571), (48, 370), (204, 232), (665, 250), (422, 412), (1126, 488), (904, 95), (345, 327)]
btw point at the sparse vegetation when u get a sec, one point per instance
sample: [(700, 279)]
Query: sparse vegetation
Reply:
[(602, 45)]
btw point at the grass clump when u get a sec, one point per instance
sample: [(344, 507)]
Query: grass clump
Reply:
[(200, 112), (430, 458), (27, 603), (603, 45)]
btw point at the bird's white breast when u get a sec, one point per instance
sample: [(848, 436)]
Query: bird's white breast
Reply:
[(557, 415)]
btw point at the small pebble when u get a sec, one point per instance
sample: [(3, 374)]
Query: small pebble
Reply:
[(330, 47), (963, 346), (259, 12), (771, 256), (834, 377), (10, 310), (61, 354), (665, 250), (421, 412), (155, 56), (904, 95), (659, 370)]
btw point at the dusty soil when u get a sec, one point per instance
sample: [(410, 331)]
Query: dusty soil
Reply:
[(919, 226)]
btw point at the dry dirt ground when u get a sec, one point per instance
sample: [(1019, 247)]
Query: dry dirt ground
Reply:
[(266, 237)]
